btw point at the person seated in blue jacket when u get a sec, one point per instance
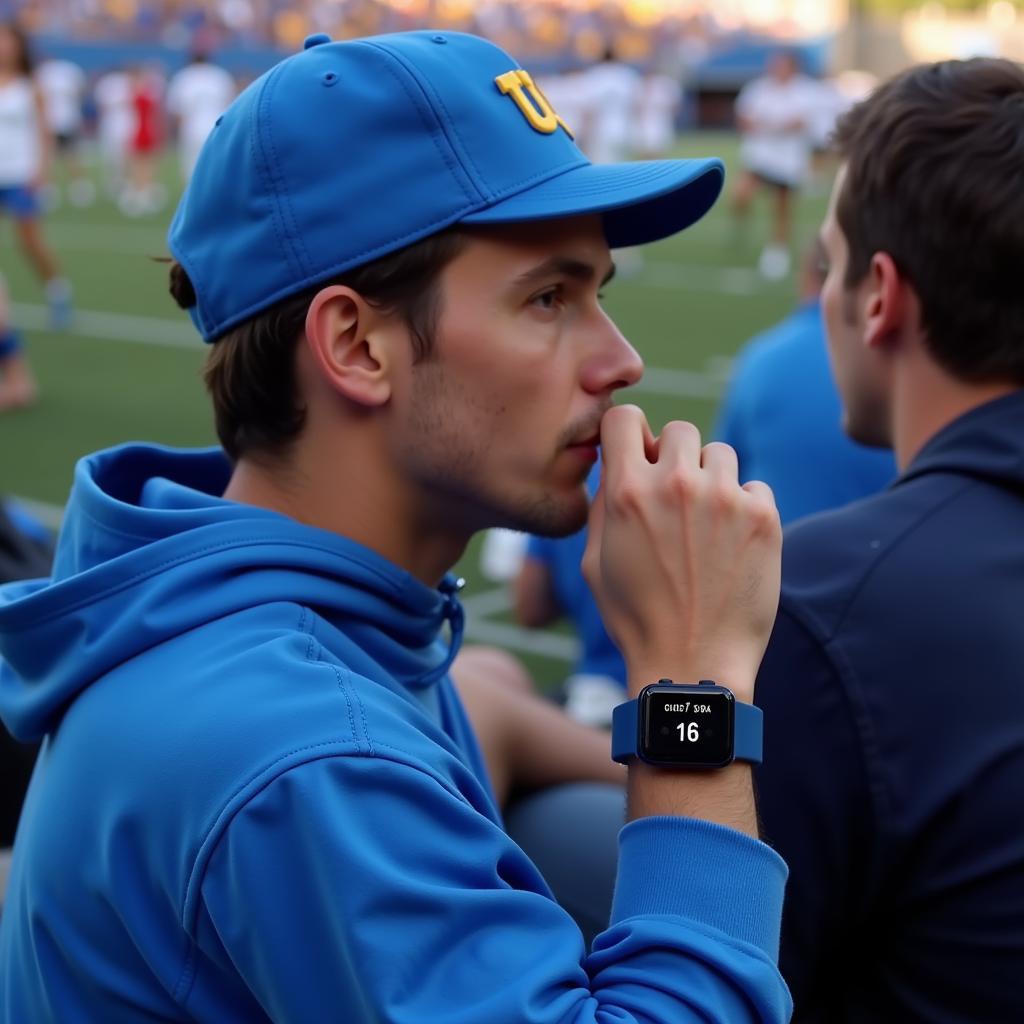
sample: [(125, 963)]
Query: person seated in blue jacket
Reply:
[(259, 797), (893, 778), (781, 413), (550, 586)]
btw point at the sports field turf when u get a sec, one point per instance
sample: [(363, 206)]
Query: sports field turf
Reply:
[(129, 367)]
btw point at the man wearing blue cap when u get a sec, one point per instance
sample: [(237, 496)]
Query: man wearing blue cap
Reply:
[(259, 796)]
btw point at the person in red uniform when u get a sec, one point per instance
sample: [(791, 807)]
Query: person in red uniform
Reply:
[(144, 194)]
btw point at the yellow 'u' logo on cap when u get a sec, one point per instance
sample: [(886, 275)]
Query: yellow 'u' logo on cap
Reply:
[(532, 103)]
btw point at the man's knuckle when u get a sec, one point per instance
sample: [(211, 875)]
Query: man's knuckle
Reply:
[(724, 497), (626, 499), (680, 484)]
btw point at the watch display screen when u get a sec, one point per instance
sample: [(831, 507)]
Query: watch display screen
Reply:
[(687, 725)]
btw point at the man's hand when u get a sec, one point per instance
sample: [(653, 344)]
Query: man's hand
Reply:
[(684, 562)]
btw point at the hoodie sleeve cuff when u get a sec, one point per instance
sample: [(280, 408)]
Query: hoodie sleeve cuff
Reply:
[(702, 871)]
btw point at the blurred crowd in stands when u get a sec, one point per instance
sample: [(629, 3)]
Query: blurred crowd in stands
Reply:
[(566, 31)]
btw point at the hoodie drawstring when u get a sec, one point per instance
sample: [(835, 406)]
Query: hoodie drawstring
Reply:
[(455, 616)]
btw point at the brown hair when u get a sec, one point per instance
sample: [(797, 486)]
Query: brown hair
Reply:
[(935, 178), (25, 65), (250, 371)]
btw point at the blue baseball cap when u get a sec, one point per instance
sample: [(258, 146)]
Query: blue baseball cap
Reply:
[(348, 151)]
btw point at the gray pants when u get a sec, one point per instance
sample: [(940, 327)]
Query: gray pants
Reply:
[(571, 833)]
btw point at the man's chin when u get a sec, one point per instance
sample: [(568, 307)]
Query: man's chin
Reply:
[(555, 518)]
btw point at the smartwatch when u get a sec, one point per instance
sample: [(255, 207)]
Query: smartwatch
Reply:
[(683, 725)]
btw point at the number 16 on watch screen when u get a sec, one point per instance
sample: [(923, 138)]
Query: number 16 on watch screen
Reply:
[(694, 729)]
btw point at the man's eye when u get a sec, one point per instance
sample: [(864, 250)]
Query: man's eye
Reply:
[(549, 299)]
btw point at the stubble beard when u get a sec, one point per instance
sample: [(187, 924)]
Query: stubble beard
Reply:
[(450, 464)]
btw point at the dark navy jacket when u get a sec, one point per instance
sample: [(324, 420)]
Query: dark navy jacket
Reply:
[(893, 782)]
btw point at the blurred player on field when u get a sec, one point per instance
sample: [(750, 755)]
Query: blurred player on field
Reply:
[(612, 91), (655, 125), (25, 147), (113, 95), (567, 93), (196, 97), (63, 85), (143, 193), (775, 115)]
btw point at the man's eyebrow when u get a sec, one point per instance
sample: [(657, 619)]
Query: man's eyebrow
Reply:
[(564, 266)]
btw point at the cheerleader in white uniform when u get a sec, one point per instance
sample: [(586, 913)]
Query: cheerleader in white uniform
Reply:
[(25, 147)]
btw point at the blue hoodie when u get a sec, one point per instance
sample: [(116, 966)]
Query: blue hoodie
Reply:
[(259, 798)]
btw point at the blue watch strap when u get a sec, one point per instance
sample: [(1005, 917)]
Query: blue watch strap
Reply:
[(747, 738), (747, 733), (625, 737)]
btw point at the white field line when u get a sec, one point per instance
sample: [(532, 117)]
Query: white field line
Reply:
[(480, 629), (89, 323), (515, 638), (699, 278), (490, 602), (113, 238), (681, 383), (49, 515), (5, 871), (164, 333)]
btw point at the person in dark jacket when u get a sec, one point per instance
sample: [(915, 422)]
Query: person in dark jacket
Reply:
[(893, 687)]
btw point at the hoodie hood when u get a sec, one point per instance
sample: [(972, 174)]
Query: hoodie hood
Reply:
[(149, 550)]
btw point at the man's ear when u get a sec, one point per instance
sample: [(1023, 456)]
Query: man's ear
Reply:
[(888, 302), (343, 337)]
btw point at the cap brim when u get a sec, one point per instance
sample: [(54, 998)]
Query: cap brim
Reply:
[(640, 202)]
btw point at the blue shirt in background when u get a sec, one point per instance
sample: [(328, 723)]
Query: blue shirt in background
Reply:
[(598, 654), (783, 416)]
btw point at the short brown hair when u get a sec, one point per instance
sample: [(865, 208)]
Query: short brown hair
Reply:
[(935, 178), (250, 372)]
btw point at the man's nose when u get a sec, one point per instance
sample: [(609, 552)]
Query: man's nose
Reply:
[(614, 363)]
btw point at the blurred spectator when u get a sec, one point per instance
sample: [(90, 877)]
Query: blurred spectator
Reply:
[(561, 30), (783, 416)]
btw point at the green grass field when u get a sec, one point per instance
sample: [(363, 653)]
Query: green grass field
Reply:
[(129, 369)]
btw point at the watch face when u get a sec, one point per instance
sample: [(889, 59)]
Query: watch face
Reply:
[(687, 725)]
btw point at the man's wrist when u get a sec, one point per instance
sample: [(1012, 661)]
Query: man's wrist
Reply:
[(725, 797)]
